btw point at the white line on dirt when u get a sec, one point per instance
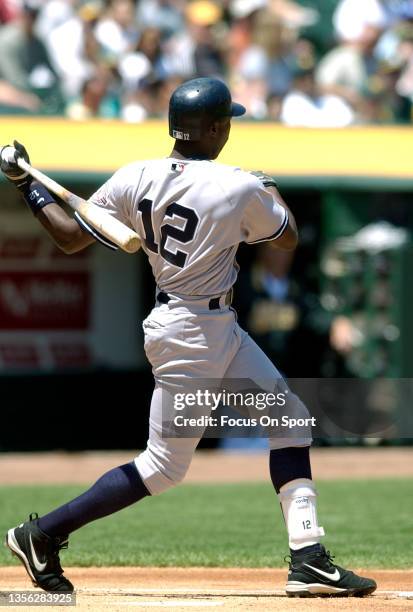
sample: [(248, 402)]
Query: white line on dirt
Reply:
[(216, 593), (170, 604), (178, 591), (401, 594)]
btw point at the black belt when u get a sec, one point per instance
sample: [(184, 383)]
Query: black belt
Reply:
[(164, 298)]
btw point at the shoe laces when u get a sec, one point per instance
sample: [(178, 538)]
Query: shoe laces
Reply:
[(61, 543), (325, 554), (328, 556), (54, 546)]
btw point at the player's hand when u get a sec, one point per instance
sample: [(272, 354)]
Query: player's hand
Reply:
[(8, 161), (265, 179)]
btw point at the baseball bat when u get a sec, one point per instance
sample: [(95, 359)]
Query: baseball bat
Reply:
[(111, 228)]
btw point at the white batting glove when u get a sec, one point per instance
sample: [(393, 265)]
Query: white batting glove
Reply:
[(8, 161)]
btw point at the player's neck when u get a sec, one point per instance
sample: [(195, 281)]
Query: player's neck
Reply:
[(190, 153)]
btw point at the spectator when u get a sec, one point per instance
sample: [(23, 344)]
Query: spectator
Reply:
[(382, 102), (148, 59), (352, 16), (145, 73), (53, 13), (74, 49), (243, 10), (117, 31), (25, 63), (255, 44), (294, 15), (304, 106), (254, 50), (164, 15), (7, 11), (197, 51), (241, 36), (97, 99), (246, 25), (403, 58), (15, 101), (151, 99), (345, 70), (261, 69)]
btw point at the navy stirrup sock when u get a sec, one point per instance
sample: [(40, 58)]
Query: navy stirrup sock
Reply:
[(115, 490), (288, 464)]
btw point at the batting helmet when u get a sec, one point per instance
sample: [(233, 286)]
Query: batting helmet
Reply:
[(194, 104)]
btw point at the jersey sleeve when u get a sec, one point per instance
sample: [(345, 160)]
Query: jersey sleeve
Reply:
[(264, 218), (112, 197)]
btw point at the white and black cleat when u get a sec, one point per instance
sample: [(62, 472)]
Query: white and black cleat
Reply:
[(39, 554), (314, 574)]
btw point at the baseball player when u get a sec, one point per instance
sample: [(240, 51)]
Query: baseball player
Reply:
[(190, 213)]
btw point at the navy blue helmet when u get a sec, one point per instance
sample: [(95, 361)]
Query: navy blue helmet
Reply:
[(196, 103)]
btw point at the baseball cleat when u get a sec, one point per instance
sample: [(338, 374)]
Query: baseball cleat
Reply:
[(39, 554), (314, 574)]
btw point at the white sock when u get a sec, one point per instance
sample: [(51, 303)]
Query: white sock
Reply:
[(298, 502)]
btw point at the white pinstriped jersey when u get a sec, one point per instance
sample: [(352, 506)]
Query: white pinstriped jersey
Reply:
[(191, 216)]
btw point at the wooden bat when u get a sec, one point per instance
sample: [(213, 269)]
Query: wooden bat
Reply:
[(111, 228)]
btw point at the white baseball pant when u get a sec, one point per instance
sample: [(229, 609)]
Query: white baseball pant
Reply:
[(184, 339)]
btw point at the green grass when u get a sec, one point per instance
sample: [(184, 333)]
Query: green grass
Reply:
[(368, 524)]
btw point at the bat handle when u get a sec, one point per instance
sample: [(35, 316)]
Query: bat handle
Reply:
[(22, 163)]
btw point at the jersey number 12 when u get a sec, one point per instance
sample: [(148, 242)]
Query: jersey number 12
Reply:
[(183, 236)]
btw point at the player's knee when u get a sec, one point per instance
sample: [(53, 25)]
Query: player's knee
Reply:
[(159, 473), (294, 426)]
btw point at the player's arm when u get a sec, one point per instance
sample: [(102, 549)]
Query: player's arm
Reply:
[(289, 238), (65, 232), (70, 234), (268, 210)]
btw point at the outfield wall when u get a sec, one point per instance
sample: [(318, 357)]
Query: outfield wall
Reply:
[(333, 157)]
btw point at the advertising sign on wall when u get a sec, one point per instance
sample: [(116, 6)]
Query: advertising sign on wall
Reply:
[(55, 309)]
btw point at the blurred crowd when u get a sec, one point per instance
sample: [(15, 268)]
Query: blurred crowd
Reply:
[(122, 58)]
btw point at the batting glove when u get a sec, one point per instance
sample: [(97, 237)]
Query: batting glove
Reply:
[(8, 161), (34, 194), (265, 179)]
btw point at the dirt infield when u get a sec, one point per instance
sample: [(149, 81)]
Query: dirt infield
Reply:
[(207, 466), (199, 589)]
